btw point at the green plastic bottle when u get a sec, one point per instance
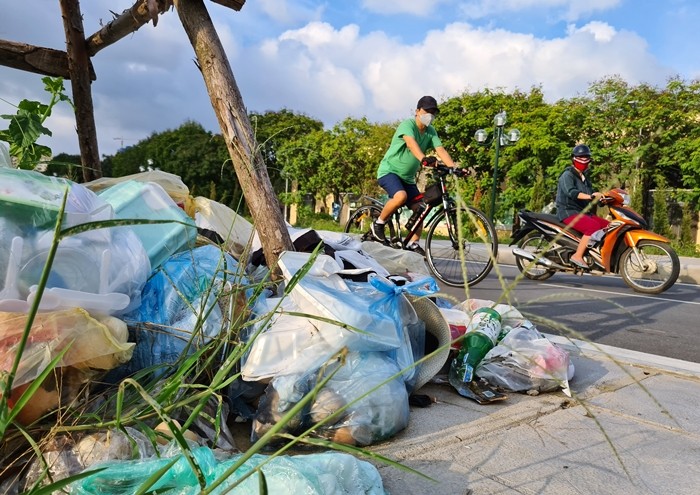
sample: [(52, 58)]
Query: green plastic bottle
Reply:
[(481, 336)]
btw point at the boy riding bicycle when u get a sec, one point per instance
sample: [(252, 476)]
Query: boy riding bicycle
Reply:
[(406, 154)]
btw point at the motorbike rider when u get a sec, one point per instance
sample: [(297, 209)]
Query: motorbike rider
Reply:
[(574, 197), (397, 171)]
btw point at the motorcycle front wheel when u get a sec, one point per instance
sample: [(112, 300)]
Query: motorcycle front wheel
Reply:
[(535, 243), (653, 271)]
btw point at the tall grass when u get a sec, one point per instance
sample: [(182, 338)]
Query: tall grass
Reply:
[(185, 393), (177, 395)]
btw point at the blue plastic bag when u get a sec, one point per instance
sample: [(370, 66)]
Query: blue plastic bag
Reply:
[(179, 311)]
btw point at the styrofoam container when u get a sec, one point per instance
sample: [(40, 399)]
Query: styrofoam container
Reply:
[(149, 201)]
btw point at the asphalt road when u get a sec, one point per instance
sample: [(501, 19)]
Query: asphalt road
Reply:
[(601, 309)]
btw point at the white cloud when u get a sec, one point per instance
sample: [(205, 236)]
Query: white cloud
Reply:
[(569, 10), (413, 7), (148, 81), (333, 73), (286, 13)]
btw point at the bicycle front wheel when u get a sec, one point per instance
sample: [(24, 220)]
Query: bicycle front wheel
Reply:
[(361, 220), (461, 246)]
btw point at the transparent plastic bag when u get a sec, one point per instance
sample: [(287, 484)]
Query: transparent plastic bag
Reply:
[(287, 344), (370, 416), (93, 347), (526, 360), (172, 184), (235, 230), (93, 343)]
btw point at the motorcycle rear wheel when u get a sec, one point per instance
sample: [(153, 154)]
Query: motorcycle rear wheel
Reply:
[(662, 267), (535, 243)]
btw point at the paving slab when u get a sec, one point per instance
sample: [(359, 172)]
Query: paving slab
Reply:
[(628, 429)]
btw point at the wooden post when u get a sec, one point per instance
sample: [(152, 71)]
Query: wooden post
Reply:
[(79, 69), (236, 130)]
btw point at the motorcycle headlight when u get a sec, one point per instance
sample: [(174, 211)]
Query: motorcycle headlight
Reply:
[(626, 200)]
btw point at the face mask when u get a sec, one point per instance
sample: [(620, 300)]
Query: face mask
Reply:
[(581, 163), (426, 118)]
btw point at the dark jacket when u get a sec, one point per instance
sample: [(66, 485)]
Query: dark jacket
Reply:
[(568, 187)]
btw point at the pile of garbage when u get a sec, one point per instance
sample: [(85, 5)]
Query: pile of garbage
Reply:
[(142, 278)]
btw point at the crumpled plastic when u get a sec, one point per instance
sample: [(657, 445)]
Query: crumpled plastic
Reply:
[(93, 347), (98, 262), (388, 298), (180, 309), (323, 293), (94, 343), (329, 473), (368, 419), (235, 230), (526, 360)]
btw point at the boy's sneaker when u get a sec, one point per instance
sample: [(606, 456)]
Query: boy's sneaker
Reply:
[(378, 231), (415, 247)]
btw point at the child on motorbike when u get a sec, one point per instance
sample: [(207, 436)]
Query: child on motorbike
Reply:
[(574, 197), (397, 171)]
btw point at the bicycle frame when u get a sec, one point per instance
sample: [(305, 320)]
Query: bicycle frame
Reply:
[(425, 219), (468, 253)]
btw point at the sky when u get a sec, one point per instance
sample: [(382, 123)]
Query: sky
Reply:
[(335, 59)]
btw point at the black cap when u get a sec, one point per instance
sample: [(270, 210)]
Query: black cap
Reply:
[(428, 104)]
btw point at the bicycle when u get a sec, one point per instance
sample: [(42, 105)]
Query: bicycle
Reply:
[(454, 234)]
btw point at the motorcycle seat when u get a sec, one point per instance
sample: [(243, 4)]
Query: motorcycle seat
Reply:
[(546, 217)]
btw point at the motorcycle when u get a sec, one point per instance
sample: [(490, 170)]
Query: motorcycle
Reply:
[(645, 260)]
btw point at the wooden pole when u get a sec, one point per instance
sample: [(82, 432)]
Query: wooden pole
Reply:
[(79, 69), (236, 130)]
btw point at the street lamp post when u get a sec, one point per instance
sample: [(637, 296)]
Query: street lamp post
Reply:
[(500, 139)]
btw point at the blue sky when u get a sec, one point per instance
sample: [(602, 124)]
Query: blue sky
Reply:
[(334, 59)]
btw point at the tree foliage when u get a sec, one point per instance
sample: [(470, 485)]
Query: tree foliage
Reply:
[(279, 135), (641, 136), (197, 156)]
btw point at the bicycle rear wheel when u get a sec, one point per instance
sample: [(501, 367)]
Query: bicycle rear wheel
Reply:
[(468, 229), (361, 221)]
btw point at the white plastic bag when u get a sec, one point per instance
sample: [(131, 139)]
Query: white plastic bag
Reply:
[(236, 231), (323, 293), (287, 344)]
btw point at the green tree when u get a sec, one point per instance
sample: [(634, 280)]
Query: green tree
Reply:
[(686, 237), (64, 165), (660, 221), (277, 133), (350, 156), (518, 165), (196, 155)]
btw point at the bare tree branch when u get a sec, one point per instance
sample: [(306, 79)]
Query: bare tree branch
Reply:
[(37, 59)]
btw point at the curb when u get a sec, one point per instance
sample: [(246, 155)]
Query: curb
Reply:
[(689, 274), (617, 354)]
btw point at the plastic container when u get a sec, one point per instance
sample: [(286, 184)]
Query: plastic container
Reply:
[(149, 201), (28, 198)]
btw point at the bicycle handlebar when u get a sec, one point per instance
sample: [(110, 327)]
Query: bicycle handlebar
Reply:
[(443, 170)]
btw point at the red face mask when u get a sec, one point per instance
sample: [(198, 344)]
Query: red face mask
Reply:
[(581, 163)]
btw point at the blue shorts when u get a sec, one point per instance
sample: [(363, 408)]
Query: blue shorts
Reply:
[(392, 184)]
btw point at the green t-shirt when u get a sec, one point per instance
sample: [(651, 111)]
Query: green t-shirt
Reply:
[(398, 159)]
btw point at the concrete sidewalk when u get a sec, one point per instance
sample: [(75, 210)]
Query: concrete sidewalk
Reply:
[(689, 274), (632, 427)]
